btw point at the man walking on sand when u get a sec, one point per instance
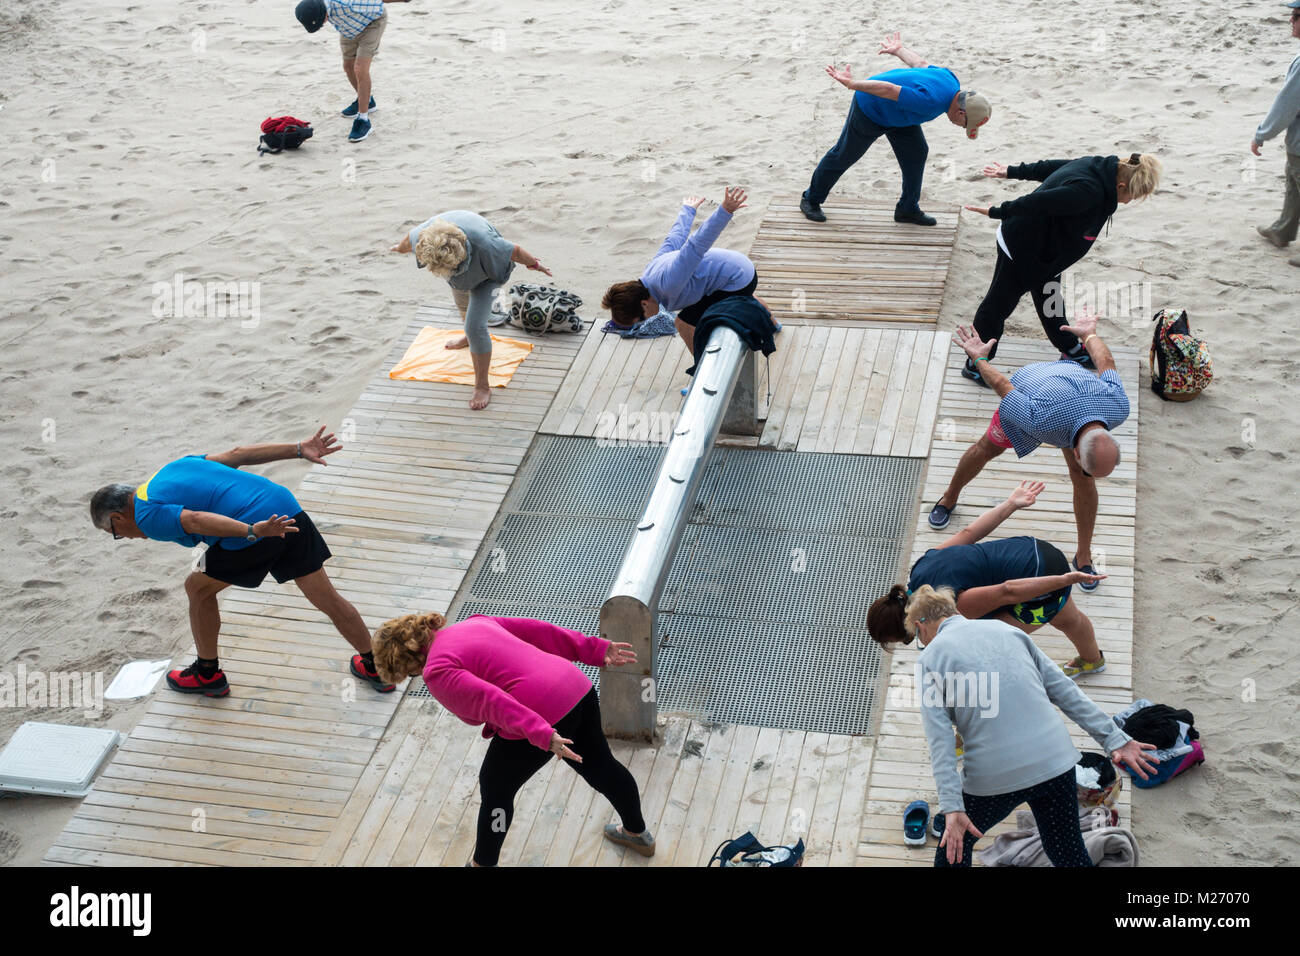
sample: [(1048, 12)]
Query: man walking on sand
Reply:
[(360, 24), (253, 527), (1285, 115), (1050, 403), (894, 104)]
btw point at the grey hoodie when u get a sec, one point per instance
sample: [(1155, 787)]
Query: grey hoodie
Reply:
[(1285, 114)]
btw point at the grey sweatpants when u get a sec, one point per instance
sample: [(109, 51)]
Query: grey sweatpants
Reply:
[(1288, 222), (475, 307)]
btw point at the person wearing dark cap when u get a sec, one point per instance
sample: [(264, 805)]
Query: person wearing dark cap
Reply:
[(1285, 115), (360, 24), (894, 104)]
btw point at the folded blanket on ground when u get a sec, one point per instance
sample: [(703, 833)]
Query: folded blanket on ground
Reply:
[(1107, 845), (429, 360)]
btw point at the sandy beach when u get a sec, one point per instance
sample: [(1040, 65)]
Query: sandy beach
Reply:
[(576, 127)]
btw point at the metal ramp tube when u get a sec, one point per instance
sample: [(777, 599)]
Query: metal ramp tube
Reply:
[(723, 392)]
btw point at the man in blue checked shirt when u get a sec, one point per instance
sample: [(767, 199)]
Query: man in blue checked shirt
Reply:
[(1050, 403), (360, 24)]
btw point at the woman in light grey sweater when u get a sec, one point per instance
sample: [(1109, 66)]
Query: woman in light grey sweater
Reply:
[(466, 250), (990, 681)]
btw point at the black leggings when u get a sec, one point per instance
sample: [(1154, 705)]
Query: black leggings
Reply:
[(1055, 804), (510, 763), (1005, 292)]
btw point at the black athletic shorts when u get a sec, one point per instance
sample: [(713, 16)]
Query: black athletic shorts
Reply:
[(286, 559), (692, 314), (1041, 610)]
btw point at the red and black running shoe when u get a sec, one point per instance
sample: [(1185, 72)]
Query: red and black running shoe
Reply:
[(190, 681), (370, 676)]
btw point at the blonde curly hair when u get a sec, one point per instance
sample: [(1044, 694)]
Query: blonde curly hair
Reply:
[(441, 248), (401, 645), (925, 604)]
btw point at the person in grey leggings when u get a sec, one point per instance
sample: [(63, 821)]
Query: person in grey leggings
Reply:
[(466, 250)]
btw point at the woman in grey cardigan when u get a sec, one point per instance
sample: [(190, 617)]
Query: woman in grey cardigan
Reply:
[(466, 250), (990, 681)]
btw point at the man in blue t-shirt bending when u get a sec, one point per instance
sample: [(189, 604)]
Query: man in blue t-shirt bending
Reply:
[(252, 527), (894, 104)]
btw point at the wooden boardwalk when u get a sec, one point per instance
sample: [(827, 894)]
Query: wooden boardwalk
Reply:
[(293, 768), (859, 267), (900, 772), (266, 775)]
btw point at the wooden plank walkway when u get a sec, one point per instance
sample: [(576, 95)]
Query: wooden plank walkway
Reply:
[(266, 775), (859, 267), (900, 770)]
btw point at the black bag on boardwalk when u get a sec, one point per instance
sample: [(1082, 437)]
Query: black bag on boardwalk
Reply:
[(282, 132), (1180, 362)]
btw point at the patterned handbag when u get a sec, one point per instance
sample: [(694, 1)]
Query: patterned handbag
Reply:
[(540, 308), (1180, 362)]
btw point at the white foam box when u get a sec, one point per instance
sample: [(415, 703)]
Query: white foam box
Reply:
[(55, 759)]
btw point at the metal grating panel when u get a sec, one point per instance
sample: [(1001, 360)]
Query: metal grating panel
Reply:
[(762, 620)]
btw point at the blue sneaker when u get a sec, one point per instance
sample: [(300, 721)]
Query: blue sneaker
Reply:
[(1088, 586), (351, 111), (360, 130), (969, 371)]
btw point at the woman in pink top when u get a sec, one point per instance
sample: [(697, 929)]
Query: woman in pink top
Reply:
[(515, 676)]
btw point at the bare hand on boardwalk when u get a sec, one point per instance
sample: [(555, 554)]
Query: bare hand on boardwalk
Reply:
[(276, 526), (955, 827), (1133, 755), (560, 747), (995, 171), (315, 449), (844, 76), (619, 654), (971, 344), (735, 198), (1026, 494)]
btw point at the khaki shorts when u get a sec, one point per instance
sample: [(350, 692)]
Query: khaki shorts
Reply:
[(364, 45)]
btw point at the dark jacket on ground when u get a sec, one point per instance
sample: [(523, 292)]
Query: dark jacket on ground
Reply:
[(1053, 227), (752, 322)]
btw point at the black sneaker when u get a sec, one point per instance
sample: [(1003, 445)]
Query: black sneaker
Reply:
[(811, 209), (968, 370), (939, 516), (915, 217), (371, 677), (1082, 358)]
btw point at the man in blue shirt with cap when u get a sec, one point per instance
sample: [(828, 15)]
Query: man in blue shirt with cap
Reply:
[(894, 104)]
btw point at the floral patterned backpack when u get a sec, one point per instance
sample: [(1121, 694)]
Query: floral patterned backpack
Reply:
[(1180, 362)]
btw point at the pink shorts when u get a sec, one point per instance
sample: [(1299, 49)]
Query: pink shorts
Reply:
[(995, 433)]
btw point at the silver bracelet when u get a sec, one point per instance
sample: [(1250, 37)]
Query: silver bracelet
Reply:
[(299, 449)]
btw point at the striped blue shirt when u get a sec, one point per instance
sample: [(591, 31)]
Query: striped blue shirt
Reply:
[(351, 17), (1051, 401)]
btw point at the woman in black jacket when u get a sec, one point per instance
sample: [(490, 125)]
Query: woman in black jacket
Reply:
[(1044, 233)]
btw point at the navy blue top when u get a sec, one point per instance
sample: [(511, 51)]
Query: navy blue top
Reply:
[(965, 566)]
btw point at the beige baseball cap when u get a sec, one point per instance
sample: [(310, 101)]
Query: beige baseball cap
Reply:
[(978, 110)]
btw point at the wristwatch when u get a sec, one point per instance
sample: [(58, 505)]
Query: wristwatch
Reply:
[(250, 536)]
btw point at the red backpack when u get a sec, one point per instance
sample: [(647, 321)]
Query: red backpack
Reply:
[(283, 132)]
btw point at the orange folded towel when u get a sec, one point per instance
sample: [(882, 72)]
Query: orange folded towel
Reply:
[(429, 360)]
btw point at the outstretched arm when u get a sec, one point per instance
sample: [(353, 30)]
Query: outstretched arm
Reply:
[(979, 350), (313, 449), (976, 602), (476, 701), (894, 44), (527, 259), (1085, 330), (1024, 496), (886, 91), (560, 641), (682, 226), (672, 271)]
